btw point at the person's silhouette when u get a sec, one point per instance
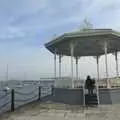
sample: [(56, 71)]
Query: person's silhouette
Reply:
[(89, 85)]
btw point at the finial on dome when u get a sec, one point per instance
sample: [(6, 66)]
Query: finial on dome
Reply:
[(86, 25)]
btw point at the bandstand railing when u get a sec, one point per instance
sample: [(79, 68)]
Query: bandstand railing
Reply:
[(78, 83)]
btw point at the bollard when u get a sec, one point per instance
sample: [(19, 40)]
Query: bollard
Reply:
[(39, 94), (12, 100)]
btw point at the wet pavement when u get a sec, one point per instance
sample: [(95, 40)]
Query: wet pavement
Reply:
[(48, 111)]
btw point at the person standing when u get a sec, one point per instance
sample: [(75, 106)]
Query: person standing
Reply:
[(93, 85), (89, 85)]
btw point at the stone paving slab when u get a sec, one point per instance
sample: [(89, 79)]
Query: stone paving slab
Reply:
[(64, 112)]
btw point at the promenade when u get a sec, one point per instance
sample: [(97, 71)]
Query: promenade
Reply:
[(37, 111)]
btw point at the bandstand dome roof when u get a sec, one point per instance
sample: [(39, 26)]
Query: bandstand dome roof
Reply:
[(88, 42)]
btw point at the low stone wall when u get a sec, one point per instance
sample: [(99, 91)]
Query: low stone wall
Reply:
[(105, 96), (115, 96), (68, 96), (109, 96)]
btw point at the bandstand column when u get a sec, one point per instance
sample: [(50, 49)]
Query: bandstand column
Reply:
[(76, 68), (98, 78), (106, 64), (55, 66), (72, 55), (60, 66), (116, 59), (98, 74)]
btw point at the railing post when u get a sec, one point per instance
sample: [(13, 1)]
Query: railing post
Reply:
[(39, 94), (52, 90), (83, 94), (12, 100)]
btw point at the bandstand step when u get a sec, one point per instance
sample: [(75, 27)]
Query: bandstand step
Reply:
[(91, 99)]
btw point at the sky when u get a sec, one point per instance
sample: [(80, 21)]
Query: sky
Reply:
[(26, 25)]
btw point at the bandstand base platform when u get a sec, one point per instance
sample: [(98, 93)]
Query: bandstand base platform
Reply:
[(75, 96)]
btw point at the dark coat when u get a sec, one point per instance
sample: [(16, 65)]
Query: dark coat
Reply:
[(88, 83)]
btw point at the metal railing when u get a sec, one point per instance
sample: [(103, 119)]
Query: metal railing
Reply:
[(102, 83), (2, 97), (14, 99)]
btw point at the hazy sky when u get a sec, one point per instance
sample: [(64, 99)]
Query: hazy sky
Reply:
[(25, 25)]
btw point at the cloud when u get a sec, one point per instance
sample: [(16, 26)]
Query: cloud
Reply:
[(35, 16), (11, 33)]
